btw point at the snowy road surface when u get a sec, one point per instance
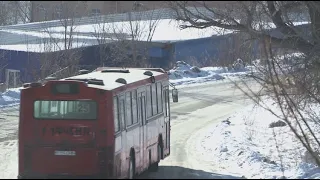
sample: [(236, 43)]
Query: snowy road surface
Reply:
[(198, 107)]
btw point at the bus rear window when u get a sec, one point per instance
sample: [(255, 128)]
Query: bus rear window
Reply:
[(79, 109)]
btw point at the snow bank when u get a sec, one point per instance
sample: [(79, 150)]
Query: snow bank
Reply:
[(245, 145), (184, 74), (10, 97)]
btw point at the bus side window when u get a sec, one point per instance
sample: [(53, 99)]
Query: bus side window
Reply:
[(128, 109), (54, 104), (149, 102), (159, 97), (70, 107), (37, 109), (122, 112), (62, 107), (116, 115), (44, 107), (134, 107), (154, 100), (167, 100)]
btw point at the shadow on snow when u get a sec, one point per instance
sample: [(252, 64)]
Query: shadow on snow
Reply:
[(176, 172)]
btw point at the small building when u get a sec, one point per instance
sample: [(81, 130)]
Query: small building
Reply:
[(15, 67)]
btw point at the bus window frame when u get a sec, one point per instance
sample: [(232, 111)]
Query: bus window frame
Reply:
[(118, 114), (118, 133), (156, 116), (55, 119), (134, 125)]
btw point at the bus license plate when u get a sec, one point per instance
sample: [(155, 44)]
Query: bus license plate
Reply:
[(64, 153)]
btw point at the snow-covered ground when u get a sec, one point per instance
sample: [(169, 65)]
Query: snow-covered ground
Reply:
[(9, 159), (10, 98), (244, 145)]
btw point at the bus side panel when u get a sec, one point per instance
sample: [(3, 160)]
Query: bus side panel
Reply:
[(166, 110), (108, 126), (154, 127), (117, 157), (20, 133), (143, 133), (121, 150), (133, 141), (25, 134), (132, 134), (143, 137)]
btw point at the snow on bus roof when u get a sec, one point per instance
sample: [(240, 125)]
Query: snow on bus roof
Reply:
[(109, 78)]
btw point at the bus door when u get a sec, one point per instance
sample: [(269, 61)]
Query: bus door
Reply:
[(167, 119), (142, 120)]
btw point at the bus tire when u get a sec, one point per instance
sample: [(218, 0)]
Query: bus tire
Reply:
[(131, 172), (155, 166)]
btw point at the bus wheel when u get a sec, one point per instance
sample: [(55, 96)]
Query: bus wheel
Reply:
[(131, 168), (155, 166)]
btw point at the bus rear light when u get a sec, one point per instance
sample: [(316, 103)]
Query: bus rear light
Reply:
[(110, 170), (27, 159), (102, 156), (105, 157)]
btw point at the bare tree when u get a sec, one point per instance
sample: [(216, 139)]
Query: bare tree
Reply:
[(5, 16), (3, 65), (293, 82), (126, 43), (14, 12), (3, 62), (4, 20), (253, 17), (61, 55), (21, 11)]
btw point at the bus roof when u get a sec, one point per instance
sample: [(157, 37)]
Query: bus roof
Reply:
[(109, 76)]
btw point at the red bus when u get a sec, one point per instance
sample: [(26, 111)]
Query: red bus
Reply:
[(109, 123)]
